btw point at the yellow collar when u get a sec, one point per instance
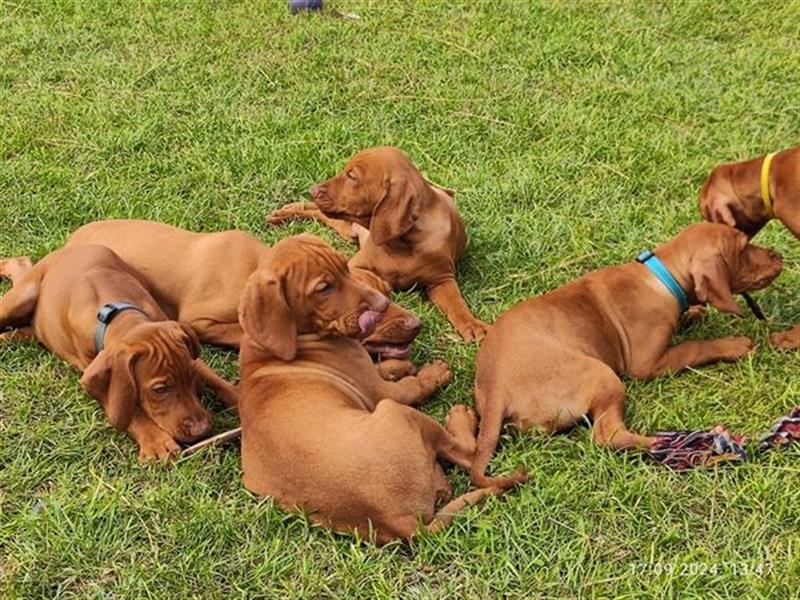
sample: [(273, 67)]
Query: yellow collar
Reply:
[(765, 183)]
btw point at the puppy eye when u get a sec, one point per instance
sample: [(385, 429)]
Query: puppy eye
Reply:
[(351, 175), (323, 286), (161, 389)]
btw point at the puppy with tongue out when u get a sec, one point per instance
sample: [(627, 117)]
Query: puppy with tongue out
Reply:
[(322, 431), (369, 319)]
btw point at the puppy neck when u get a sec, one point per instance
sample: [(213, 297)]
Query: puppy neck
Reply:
[(678, 263), (745, 181), (122, 325)]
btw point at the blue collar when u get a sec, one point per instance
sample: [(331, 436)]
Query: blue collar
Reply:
[(657, 268), (105, 315)]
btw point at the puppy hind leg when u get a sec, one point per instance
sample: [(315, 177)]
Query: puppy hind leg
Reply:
[(678, 450), (445, 444), (608, 414), (462, 423)]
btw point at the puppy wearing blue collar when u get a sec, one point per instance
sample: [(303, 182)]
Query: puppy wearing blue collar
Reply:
[(554, 360)]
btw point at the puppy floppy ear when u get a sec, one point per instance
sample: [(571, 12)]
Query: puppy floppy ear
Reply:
[(265, 316), (109, 379), (712, 283), (399, 209)]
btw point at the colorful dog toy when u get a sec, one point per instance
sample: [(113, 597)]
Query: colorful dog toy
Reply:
[(681, 450), (784, 432)]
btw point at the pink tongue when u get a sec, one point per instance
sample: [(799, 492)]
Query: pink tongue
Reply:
[(368, 320)]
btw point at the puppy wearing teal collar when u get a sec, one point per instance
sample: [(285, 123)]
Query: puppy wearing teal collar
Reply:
[(554, 360)]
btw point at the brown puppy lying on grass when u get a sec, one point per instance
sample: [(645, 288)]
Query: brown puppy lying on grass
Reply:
[(748, 194), (198, 278), (415, 236), (553, 359), (142, 368), (321, 430)]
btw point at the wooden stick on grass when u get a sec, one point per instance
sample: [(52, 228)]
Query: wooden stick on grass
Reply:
[(214, 440)]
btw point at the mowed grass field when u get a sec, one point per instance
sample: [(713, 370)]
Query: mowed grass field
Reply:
[(576, 134)]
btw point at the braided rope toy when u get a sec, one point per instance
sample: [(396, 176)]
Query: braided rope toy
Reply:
[(687, 449), (785, 431)]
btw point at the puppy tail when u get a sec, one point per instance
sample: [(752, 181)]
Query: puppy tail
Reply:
[(445, 515), (488, 436)]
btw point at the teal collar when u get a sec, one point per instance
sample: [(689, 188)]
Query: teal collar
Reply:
[(105, 315), (657, 268)]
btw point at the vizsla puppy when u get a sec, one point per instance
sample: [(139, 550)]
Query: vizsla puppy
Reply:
[(199, 277), (415, 236), (749, 194), (321, 430), (142, 368), (553, 359)]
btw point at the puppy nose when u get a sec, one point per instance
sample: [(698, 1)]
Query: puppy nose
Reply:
[(317, 191), (197, 426), (412, 324)]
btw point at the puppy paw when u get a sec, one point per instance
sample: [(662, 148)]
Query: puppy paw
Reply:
[(437, 372), (461, 419), (393, 369), (15, 268), (472, 331), (295, 210), (734, 348), (694, 314), (162, 448), (786, 340)]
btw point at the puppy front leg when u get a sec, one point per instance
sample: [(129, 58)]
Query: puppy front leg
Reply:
[(18, 305), (154, 442), (225, 391), (786, 340), (448, 299), (694, 353), (309, 210), (412, 390)]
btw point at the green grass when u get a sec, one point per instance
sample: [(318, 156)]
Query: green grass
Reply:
[(576, 135)]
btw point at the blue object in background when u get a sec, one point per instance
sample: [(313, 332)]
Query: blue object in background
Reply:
[(296, 6)]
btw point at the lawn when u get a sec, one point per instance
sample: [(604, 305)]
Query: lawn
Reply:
[(576, 134)]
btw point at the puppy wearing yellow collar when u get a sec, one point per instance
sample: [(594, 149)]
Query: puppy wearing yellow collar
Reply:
[(748, 194)]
